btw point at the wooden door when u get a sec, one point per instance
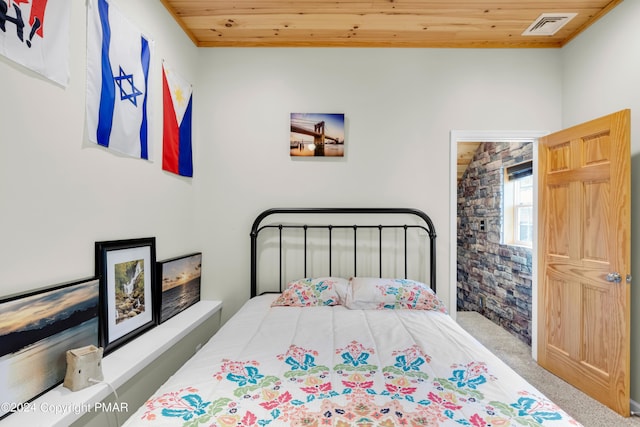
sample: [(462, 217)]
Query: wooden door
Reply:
[(584, 246)]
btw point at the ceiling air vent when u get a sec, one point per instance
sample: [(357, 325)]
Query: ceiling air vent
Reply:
[(548, 24)]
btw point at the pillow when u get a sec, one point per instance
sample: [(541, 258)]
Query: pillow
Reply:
[(312, 292), (374, 293)]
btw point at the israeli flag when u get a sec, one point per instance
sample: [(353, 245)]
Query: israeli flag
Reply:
[(118, 58)]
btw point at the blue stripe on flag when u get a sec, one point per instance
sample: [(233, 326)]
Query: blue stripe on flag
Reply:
[(145, 57), (108, 91), (185, 162)]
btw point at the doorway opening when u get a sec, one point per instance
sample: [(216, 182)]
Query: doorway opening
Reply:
[(494, 275)]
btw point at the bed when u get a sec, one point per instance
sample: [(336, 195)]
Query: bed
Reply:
[(349, 332)]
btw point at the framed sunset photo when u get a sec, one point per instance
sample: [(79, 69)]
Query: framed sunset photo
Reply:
[(36, 331), (178, 284)]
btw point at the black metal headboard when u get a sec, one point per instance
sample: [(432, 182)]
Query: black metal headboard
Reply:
[(423, 222)]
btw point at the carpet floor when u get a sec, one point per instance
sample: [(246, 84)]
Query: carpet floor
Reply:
[(517, 355)]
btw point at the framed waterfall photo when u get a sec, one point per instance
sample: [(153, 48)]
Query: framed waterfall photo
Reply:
[(126, 269)]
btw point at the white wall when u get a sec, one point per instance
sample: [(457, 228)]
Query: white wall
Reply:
[(58, 193), (400, 106), (601, 75)]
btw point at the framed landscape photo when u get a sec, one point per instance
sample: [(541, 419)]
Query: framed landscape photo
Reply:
[(316, 135), (36, 330), (126, 269), (178, 284)]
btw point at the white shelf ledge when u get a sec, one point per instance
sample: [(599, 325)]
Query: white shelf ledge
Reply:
[(61, 407)]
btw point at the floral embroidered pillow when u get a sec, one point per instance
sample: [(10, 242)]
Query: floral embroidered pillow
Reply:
[(374, 293), (313, 292)]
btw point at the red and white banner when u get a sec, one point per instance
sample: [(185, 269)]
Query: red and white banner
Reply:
[(35, 33)]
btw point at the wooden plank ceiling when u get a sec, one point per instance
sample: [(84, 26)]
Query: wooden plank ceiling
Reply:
[(466, 153), (380, 23)]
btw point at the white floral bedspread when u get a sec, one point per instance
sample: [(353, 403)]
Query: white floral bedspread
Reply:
[(332, 366)]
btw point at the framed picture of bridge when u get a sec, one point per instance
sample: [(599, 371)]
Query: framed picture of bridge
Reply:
[(317, 135), (126, 270)]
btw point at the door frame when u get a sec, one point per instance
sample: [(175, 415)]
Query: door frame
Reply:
[(457, 136)]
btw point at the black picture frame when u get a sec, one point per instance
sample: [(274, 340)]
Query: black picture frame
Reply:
[(126, 269), (178, 284), (37, 328)]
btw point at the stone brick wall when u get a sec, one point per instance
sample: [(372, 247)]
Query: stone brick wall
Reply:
[(493, 279)]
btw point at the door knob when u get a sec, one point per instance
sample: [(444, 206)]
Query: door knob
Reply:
[(614, 277)]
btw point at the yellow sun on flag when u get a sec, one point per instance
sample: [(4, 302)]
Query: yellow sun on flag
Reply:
[(179, 96)]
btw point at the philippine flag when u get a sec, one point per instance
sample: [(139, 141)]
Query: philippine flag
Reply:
[(118, 58), (176, 140)]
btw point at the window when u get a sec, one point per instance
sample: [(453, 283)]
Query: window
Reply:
[(518, 205)]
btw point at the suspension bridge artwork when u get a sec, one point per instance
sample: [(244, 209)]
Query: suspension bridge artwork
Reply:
[(316, 134)]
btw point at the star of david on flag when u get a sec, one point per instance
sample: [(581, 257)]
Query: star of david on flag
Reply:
[(127, 89), (118, 59)]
